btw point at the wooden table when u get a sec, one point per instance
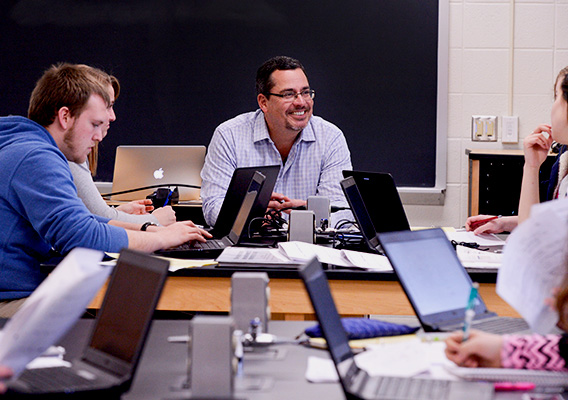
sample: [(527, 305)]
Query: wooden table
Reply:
[(382, 295)]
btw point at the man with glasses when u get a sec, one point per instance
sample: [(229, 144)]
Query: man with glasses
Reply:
[(311, 151)]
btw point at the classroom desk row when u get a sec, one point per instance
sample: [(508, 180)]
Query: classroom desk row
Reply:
[(163, 367), (356, 293)]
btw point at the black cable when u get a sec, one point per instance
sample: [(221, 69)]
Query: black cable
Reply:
[(150, 187)]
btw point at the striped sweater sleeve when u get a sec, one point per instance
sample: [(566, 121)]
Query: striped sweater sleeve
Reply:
[(542, 352)]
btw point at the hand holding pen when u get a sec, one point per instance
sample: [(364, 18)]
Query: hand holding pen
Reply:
[(470, 311)]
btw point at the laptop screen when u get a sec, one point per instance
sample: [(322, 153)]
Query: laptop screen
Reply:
[(360, 211), (246, 207), (238, 187), (317, 287), (429, 270), (379, 190), (141, 166), (125, 316)]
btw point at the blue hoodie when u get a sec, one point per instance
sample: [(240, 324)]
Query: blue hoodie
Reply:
[(40, 209)]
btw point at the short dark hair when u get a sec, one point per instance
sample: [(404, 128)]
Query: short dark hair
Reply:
[(66, 85), (264, 83)]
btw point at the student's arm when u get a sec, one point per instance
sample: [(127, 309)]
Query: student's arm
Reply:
[(480, 350), (536, 147), (5, 373), (156, 238)]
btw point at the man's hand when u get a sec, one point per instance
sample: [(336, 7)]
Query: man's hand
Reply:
[(280, 202), (137, 207)]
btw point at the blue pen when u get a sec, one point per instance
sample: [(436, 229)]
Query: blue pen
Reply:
[(168, 198), (470, 311)]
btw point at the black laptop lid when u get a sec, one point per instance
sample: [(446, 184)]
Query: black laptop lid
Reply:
[(360, 212), (240, 226), (381, 197), (332, 329), (124, 319), (236, 193), (432, 276), (317, 287)]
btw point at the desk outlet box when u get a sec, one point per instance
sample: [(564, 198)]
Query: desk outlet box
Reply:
[(211, 357), (321, 206), (249, 299), (302, 226)]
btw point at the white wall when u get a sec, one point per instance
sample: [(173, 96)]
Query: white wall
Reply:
[(503, 59)]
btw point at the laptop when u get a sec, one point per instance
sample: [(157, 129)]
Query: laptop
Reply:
[(366, 226), (110, 358), (236, 192), (381, 197), (214, 247), (141, 166), (356, 383), (436, 283)]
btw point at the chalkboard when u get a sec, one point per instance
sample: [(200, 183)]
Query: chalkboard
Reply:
[(187, 66)]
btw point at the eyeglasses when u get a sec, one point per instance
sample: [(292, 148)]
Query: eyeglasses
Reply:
[(306, 94)]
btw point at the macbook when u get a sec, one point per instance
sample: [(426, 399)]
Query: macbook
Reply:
[(110, 358), (356, 383), (381, 197), (214, 247), (141, 166), (235, 193), (436, 283)]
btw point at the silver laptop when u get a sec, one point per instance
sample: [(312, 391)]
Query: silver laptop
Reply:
[(355, 382), (167, 166), (110, 358), (436, 283)]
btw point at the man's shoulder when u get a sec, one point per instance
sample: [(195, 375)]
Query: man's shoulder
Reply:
[(322, 126), (241, 121)]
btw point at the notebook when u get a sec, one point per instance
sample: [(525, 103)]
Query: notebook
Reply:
[(214, 247), (381, 197), (141, 166), (366, 226), (110, 358), (356, 383), (436, 283), (235, 193)]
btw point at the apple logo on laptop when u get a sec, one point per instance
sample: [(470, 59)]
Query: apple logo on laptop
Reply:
[(159, 173)]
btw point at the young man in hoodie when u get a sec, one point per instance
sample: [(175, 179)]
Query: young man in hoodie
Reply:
[(40, 211)]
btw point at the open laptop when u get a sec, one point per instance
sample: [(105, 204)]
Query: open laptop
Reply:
[(366, 226), (141, 166), (236, 192), (214, 247), (381, 197), (436, 283), (356, 383), (110, 358)]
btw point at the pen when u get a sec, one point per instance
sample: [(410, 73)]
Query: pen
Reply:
[(477, 224), (470, 312), (513, 386)]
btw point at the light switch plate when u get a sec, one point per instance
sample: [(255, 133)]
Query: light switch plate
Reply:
[(484, 128)]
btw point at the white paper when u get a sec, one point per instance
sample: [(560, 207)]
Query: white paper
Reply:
[(369, 261), (473, 258), (252, 255), (485, 239), (404, 359), (321, 370), (301, 251), (53, 308), (534, 263)]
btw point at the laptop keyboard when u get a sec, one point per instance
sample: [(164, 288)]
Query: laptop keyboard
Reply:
[(208, 245), (55, 380), (501, 325), (404, 388)]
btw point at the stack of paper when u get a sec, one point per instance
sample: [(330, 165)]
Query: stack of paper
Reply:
[(291, 254)]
